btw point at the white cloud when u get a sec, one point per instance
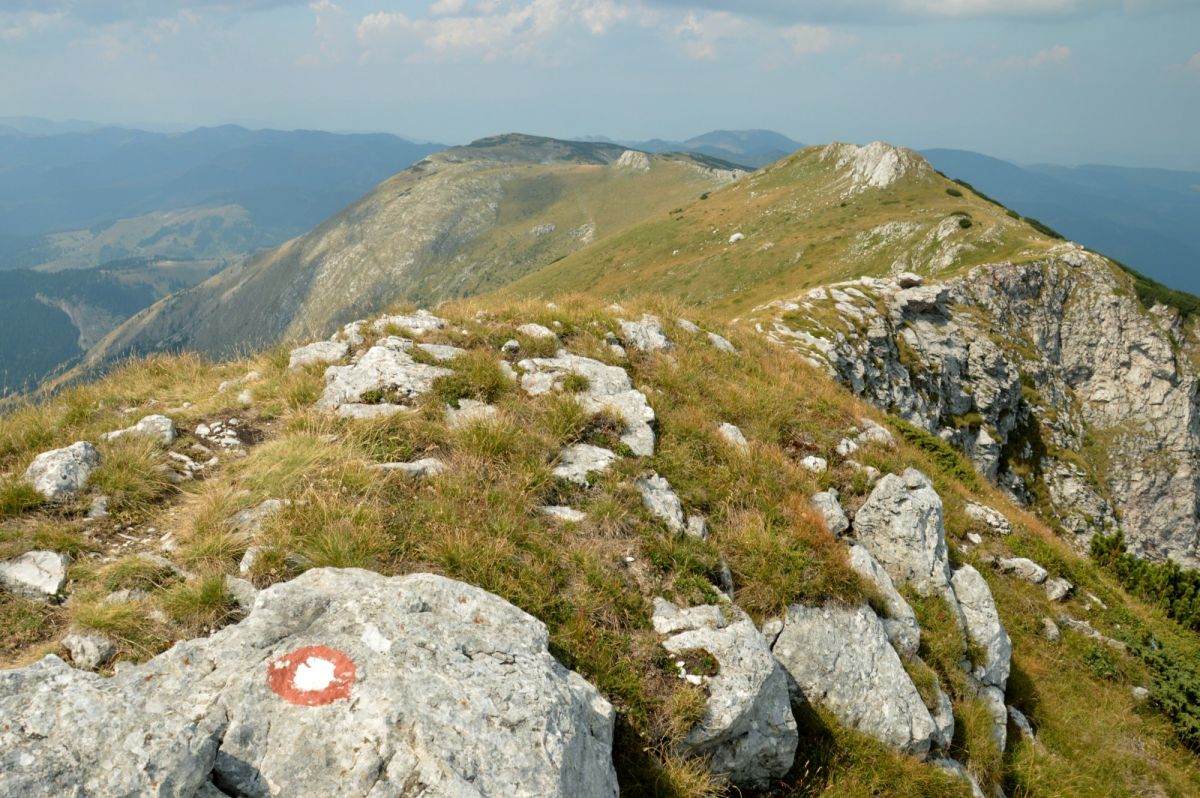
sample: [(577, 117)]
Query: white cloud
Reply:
[(22, 25), (814, 39), (492, 29), (1051, 55), (1193, 63)]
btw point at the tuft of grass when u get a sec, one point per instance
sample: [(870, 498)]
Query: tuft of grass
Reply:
[(129, 624), (201, 606), (136, 573), (16, 497), (685, 709), (476, 375), (132, 473), (24, 623)]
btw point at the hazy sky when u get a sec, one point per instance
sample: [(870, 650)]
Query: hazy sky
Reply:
[(1069, 81)]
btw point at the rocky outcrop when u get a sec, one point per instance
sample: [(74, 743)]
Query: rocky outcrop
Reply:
[(748, 729), (841, 659), (901, 525), (341, 682), (35, 574), (385, 374), (900, 621), (983, 627), (577, 462), (63, 473), (607, 388), (158, 427), (661, 500), (318, 352), (826, 503), (1022, 367)]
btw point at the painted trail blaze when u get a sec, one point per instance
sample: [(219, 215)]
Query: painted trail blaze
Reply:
[(312, 676)]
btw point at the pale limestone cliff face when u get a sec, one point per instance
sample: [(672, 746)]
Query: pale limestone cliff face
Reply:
[(1051, 376)]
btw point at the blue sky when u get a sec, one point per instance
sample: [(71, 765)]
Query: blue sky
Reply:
[(1066, 81)]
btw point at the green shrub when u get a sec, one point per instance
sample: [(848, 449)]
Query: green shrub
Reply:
[(1166, 584), (943, 454), (953, 192)]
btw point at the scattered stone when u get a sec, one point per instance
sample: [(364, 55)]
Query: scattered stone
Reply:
[(873, 473), (1140, 694), (900, 622), (827, 504), (361, 412), (817, 465), (511, 346), (697, 527), (983, 626), (748, 727), (991, 518), (956, 768), (659, 498), (36, 575), (223, 434), (1023, 568), (417, 323), (318, 352), (688, 326), (243, 592), (901, 523), (384, 372), (721, 344), (159, 427), (339, 682), (441, 352), (974, 539), (608, 389), (876, 434), (1018, 719), (468, 412), (536, 331), (736, 237), (246, 566), (1058, 589), (909, 280), (846, 447), (1087, 630), (646, 334), (1092, 597), (733, 436), (1050, 630), (245, 398), (352, 333), (417, 469), (840, 658), (62, 473), (577, 462), (250, 376), (98, 508), (560, 513), (249, 522), (88, 650)]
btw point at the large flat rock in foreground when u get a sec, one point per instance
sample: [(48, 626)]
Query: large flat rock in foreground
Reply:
[(340, 682)]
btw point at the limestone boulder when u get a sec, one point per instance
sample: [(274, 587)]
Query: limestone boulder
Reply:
[(900, 622), (827, 504), (340, 682), (983, 626), (660, 499), (841, 659), (748, 728), (158, 427), (608, 388), (35, 574), (385, 373), (63, 473), (901, 524), (645, 334), (320, 352)]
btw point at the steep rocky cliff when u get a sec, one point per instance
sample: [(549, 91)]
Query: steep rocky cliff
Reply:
[(1051, 375)]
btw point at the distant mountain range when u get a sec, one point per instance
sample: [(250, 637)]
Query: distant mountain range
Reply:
[(152, 213), (1147, 218)]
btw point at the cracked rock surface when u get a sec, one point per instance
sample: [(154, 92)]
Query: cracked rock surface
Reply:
[(450, 691)]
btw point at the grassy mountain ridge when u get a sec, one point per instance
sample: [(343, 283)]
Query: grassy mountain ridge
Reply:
[(806, 221), (459, 222)]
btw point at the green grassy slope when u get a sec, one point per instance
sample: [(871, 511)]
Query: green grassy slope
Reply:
[(463, 221), (804, 225), (478, 521)]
